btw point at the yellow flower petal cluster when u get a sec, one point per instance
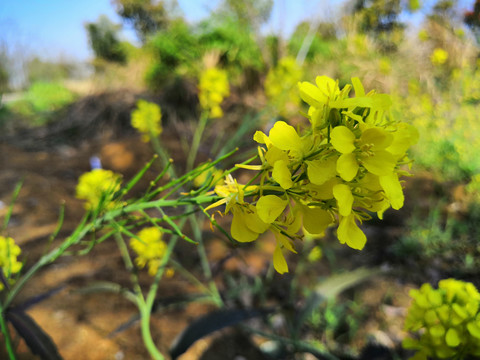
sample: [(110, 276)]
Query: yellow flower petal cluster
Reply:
[(97, 188), (146, 118), (281, 86), (446, 321), (439, 56), (213, 88), (344, 166), (9, 265), (150, 249)]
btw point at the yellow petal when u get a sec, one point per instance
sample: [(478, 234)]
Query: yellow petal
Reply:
[(348, 232), (393, 190), (405, 136), (347, 166), (285, 137), (320, 171), (316, 220), (261, 138), (327, 86), (239, 229), (281, 174), (274, 154), (380, 163), (279, 262), (324, 191), (311, 94), (343, 139), (284, 241), (253, 221), (379, 138), (344, 197), (269, 208)]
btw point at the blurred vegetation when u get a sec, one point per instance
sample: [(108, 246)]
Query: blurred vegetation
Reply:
[(103, 37)]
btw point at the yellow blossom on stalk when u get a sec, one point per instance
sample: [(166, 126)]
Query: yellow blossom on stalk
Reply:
[(9, 265), (281, 85), (146, 118), (439, 57), (213, 88), (344, 166), (98, 187), (150, 249), (445, 322)]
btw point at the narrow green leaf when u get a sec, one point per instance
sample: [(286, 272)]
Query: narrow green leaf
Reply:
[(328, 289)]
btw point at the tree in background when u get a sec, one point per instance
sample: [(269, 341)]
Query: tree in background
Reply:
[(103, 37), (377, 16), (4, 76), (248, 13), (472, 20), (146, 16), (47, 71), (381, 19)]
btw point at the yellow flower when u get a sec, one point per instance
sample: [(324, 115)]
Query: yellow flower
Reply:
[(348, 232), (98, 187), (146, 118), (281, 85), (213, 88), (9, 251), (371, 151), (150, 249), (439, 57), (344, 166)]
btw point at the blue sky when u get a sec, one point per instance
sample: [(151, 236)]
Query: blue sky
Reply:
[(55, 28)]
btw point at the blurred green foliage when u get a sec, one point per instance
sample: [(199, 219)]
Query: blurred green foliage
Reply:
[(104, 40), (39, 70), (40, 100), (175, 52), (321, 46), (146, 16)]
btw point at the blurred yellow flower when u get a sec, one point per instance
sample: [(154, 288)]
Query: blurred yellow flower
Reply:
[(213, 88), (97, 187), (439, 57), (150, 249), (281, 86), (146, 118), (9, 252)]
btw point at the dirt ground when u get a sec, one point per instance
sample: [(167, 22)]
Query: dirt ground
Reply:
[(83, 325)]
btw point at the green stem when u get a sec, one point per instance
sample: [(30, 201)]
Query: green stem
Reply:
[(163, 155), (6, 335), (197, 136), (145, 312), (145, 306), (204, 260), (128, 263)]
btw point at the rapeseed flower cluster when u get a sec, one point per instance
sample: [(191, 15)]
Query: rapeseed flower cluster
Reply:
[(341, 168), (9, 252), (446, 320), (150, 249), (98, 187), (439, 56), (213, 88), (281, 85), (146, 118)]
